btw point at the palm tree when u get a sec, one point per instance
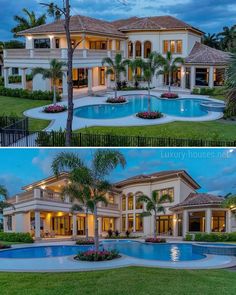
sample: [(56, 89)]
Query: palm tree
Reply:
[(211, 40), (53, 11), (28, 22), (134, 65), (149, 66), (169, 66), (154, 204), (230, 202), (54, 73), (228, 38), (93, 177), (115, 68), (3, 198), (231, 86)]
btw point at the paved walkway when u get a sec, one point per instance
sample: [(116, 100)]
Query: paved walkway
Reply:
[(58, 121)]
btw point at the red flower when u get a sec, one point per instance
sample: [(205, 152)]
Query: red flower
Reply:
[(55, 109), (169, 95)]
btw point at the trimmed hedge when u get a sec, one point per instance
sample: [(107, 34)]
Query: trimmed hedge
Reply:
[(211, 237), (209, 91), (24, 93), (16, 237)]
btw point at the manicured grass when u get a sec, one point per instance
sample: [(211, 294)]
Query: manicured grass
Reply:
[(126, 281), (16, 106), (214, 130)]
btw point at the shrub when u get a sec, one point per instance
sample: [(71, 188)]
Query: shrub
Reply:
[(93, 255), (127, 233), (110, 233), (117, 233), (149, 115), (53, 109), (188, 237), (120, 99), (24, 93), (4, 246), (215, 237), (169, 95), (209, 91), (155, 240), (85, 242), (16, 237)]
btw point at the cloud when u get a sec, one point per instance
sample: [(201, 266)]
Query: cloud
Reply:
[(11, 182)]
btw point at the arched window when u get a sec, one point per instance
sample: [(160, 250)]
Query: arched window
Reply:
[(130, 201), (138, 49), (138, 204), (123, 202), (147, 49), (130, 49)]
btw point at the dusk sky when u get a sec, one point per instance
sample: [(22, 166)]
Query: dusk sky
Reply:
[(213, 169), (207, 15)]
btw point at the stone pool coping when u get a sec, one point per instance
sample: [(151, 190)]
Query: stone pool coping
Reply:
[(68, 264), (58, 121)]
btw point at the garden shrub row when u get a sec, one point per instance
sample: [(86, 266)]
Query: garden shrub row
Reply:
[(209, 91), (16, 237), (15, 79), (211, 237), (27, 94)]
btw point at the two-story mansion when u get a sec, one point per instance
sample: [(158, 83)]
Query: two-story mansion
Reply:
[(42, 211), (132, 37)]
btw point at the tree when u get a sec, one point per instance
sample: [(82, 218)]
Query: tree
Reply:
[(54, 73), (231, 87), (3, 198), (115, 68), (134, 65), (154, 204), (149, 66), (93, 177), (211, 40), (228, 38), (169, 66), (28, 22), (230, 202)]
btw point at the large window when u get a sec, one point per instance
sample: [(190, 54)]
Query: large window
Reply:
[(138, 205), (130, 202), (197, 221), (138, 222), (9, 222), (130, 49), (130, 222), (117, 45), (202, 77), (108, 224), (165, 224), (123, 225), (138, 49), (219, 77), (218, 221), (98, 45), (147, 49), (166, 191), (42, 43), (174, 46), (124, 203)]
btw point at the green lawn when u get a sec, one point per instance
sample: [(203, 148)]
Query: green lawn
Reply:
[(16, 106), (125, 281)]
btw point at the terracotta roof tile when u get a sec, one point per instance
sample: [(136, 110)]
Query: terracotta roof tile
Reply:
[(203, 54)]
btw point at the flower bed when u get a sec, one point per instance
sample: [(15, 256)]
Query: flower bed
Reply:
[(85, 242), (55, 109), (155, 240), (120, 99), (169, 95), (149, 115), (93, 255)]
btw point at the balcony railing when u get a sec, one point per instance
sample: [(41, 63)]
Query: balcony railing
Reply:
[(58, 53), (110, 206)]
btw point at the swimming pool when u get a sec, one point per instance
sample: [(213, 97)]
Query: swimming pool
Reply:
[(166, 252), (135, 103)]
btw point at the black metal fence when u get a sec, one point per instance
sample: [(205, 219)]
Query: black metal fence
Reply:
[(12, 130), (21, 138)]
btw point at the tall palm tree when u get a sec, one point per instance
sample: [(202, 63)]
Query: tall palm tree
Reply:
[(231, 86), (230, 202), (30, 20), (154, 205), (94, 177), (53, 11), (149, 66), (211, 40), (228, 38), (134, 65), (3, 198), (54, 73), (115, 68), (170, 65)]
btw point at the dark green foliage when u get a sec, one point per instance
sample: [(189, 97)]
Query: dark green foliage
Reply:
[(16, 237)]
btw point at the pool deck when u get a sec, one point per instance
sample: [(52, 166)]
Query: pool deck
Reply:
[(58, 121), (68, 264)]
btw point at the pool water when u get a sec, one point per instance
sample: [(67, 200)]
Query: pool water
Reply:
[(166, 252), (136, 103)]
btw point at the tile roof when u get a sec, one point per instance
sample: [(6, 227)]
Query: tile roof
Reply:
[(79, 24), (199, 199), (203, 54)]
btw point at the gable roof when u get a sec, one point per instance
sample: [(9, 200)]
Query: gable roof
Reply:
[(159, 176), (203, 54), (199, 199), (78, 24)]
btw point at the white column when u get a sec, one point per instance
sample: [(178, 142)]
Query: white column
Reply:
[(208, 220), (183, 77), (52, 42), (100, 226), (228, 221), (90, 81), (125, 48), (6, 76), (37, 225), (133, 50), (134, 223), (64, 84), (23, 78), (193, 77), (74, 221), (185, 222), (175, 225), (142, 49), (211, 77), (113, 45)]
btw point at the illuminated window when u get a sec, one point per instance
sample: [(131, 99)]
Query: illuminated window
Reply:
[(147, 49), (138, 222), (139, 205), (172, 46), (123, 223), (138, 49), (179, 46), (108, 224), (165, 46), (117, 45), (124, 203), (98, 45), (130, 49), (130, 222), (166, 191), (130, 202), (130, 74)]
